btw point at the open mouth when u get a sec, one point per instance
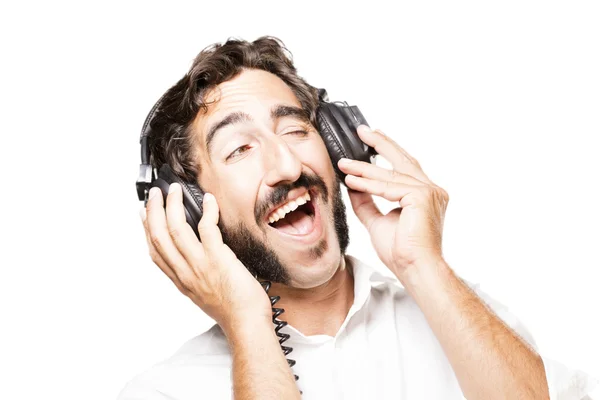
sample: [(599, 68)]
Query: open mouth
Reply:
[(296, 217)]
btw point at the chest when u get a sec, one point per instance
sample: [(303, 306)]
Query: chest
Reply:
[(376, 363)]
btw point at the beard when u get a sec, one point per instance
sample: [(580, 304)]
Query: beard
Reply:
[(262, 262)]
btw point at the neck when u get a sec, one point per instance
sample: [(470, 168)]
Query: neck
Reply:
[(320, 310)]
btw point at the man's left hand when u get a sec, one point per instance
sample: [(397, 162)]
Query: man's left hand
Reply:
[(412, 233)]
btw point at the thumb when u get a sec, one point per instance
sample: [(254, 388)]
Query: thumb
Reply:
[(364, 207)]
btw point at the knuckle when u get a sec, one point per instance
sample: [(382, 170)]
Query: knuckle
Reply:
[(185, 292), (188, 283), (386, 139), (155, 241), (388, 188), (380, 132), (154, 256), (182, 288), (174, 231), (204, 226), (445, 196)]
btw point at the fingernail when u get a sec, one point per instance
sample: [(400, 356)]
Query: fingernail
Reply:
[(365, 129), (143, 213), (208, 197), (345, 161), (173, 187), (153, 192)]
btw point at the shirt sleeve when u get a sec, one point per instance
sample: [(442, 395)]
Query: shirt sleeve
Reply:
[(563, 383)]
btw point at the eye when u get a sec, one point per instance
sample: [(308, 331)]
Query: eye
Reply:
[(297, 133), (238, 152)]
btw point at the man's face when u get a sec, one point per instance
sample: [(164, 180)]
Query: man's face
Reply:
[(262, 159)]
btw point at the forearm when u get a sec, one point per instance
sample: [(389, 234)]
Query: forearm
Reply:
[(490, 361), (260, 370)]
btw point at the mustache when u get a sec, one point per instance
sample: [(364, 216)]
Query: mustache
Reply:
[(280, 193)]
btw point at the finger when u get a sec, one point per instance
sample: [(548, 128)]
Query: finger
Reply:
[(156, 258), (371, 171), (364, 207), (160, 238), (210, 235), (399, 158), (391, 191), (180, 231), (375, 137)]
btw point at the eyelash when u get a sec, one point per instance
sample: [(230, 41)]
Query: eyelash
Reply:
[(233, 154), (295, 133), (301, 132)]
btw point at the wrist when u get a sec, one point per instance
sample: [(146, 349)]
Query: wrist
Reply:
[(425, 276), (243, 326)]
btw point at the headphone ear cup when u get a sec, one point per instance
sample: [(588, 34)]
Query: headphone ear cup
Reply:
[(192, 195), (328, 129), (337, 124)]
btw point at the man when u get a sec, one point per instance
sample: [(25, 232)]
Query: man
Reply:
[(241, 124)]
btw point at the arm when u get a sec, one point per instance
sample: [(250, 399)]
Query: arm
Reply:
[(260, 370), (211, 275), (490, 361)]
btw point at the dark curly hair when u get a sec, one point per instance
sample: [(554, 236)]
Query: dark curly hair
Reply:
[(172, 139)]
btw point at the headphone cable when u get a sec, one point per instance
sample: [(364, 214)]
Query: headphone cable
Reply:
[(279, 324)]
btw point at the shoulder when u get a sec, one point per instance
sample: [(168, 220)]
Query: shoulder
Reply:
[(201, 366)]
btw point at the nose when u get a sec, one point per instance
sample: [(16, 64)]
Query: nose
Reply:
[(282, 164)]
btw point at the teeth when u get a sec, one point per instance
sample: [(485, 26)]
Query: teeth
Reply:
[(288, 207)]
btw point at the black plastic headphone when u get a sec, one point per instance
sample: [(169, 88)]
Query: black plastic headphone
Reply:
[(337, 123)]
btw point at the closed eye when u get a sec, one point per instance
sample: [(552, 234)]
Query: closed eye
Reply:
[(297, 133)]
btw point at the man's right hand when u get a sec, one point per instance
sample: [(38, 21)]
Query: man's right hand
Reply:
[(208, 272)]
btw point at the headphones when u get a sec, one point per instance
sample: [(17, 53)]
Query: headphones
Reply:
[(337, 124)]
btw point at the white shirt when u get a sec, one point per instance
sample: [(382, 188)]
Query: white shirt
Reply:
[(384, 350)]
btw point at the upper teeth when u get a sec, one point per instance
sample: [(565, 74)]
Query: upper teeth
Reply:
[(288, 207)]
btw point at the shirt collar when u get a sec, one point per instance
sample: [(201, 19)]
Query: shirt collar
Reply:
[(365, 279)]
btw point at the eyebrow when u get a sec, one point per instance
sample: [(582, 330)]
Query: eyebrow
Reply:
[(278, 111)]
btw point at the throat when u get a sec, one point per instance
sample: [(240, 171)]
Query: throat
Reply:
[(320, 310)]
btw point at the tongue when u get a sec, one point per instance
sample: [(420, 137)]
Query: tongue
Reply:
[(295, 223)]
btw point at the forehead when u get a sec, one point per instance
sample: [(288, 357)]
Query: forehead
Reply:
[(252, 91)]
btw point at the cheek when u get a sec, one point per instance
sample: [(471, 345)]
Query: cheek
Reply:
[(236, 194), (317, 158)]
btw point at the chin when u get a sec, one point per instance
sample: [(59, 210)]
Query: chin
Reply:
[(314, 272)]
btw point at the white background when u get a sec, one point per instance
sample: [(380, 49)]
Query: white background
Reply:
[(499, 101)]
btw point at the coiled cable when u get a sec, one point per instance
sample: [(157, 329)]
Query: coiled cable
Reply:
[(279, 325)]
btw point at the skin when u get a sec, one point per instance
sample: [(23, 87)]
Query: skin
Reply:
[(275, 156), (489, 360)]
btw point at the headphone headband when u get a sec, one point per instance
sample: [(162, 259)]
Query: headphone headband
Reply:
[(337, 123), (146, 173)]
